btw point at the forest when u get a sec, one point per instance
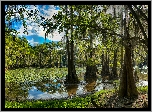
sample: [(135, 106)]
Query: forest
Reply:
[(100, 62)]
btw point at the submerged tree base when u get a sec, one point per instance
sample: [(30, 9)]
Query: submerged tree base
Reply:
[(91, 72), (71, 79)]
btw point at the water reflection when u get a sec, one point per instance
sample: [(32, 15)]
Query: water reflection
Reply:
[(34, 93), (13, 91), (91, 83), (71, 89), (48, 89), (50, 86)]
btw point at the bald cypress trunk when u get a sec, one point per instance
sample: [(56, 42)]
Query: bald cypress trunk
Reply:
[(127, 84), (71, 77), (91, 69), (114, 69)]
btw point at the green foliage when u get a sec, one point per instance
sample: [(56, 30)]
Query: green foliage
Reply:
[(86, 20), (78, 102), (143, 89), (22, 75), (34, 74), (22, 54)]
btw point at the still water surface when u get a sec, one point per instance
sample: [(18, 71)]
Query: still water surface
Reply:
[(55, 89)]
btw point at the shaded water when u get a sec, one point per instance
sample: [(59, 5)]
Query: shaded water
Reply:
[(54, 89)]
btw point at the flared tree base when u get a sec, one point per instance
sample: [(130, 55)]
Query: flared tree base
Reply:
[(90, 72), (71, 79)]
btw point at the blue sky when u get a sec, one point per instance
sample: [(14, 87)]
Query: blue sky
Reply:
[(36, 33)]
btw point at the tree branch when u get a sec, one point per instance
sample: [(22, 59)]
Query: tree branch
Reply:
[(138, 21), (146, 18)]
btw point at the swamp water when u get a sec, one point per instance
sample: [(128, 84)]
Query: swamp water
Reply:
[(55, 89)]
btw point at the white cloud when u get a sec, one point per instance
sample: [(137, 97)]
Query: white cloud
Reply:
[(34, 93), (32, 42), (49, 12), (33, 28), (21, 30), (57, 36)]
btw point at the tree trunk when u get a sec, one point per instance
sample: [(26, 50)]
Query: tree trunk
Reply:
[(127, 84), (71, 78), (105, 65), (121, 70), (114, 69), (122, 55), (91, 70), (69, 64), (72, 62)]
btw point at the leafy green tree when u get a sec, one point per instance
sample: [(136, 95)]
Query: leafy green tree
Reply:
[(83, 25)]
